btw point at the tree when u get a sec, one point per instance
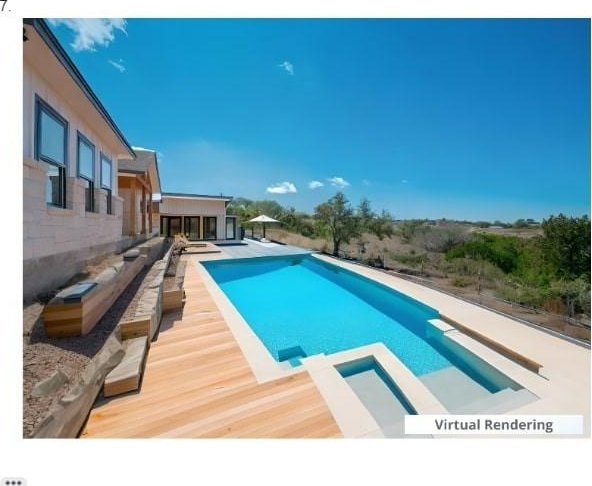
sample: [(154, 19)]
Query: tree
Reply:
[(380, 226), (408, 229), (574, 292), (336, 220), (503, 251), (520, 223), (441, 238), (566, 246)]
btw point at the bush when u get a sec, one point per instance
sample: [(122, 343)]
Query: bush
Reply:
[(462, 281), (502, 251), (441, 238), (412, 260)]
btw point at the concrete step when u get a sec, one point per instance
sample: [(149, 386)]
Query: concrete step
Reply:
[(127, 374), (500, 402), (453, 388), (380, 401)]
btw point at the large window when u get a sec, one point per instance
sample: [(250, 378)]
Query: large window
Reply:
[(86, 170), (170, 225), (191, 227), (51, 142), (209, 223), (106, 181)]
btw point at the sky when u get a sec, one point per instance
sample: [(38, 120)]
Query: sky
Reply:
[(478, 119), (475, 119), (466, 119)]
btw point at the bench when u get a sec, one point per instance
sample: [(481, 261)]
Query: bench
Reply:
[(126, 376), (76, 309)]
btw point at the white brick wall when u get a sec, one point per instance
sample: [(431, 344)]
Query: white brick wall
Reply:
[(49, 230)]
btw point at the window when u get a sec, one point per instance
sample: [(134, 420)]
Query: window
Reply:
[(106, 180), (209, 223), (51, 142), (191, 227), (86, 169), (170, 225)]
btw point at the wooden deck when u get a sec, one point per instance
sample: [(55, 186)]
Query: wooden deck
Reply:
[(197, 383)]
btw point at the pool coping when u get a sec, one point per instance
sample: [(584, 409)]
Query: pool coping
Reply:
[(350, 414)]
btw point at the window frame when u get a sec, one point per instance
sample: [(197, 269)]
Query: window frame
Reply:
[(215, 218), (90, 208), (233, 226), (103, 186), (41, 106)]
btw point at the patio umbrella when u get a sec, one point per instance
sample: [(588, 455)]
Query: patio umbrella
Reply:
[(263, 219)]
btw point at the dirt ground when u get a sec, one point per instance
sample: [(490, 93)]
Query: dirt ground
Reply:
[(485, 297), (44, 356)]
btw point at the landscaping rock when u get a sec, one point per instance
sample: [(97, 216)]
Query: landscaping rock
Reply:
[(50, 384), (131, 254), (66, 418)]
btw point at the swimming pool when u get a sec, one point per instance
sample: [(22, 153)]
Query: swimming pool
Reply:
[(300, 306)]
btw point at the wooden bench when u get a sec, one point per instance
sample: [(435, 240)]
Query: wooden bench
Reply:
[(126, 376), (76, 309), (509, 353)]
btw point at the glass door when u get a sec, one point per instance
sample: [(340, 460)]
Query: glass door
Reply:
[(174, 226), (230, 228), (210, 228), (191, 227)]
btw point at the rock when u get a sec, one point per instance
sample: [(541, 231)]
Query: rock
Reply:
[(50, 384), (67, 416), (131, 254)]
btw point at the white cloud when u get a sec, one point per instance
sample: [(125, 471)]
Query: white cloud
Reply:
[(338, 182), (117, 65), (281, 188), (288, 67), (315, 184), (91, 32)]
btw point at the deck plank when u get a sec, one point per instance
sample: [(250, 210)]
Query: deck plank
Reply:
[(197, 383)]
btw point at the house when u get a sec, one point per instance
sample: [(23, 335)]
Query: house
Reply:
[(138, 180), (72, 209), (199, 217)]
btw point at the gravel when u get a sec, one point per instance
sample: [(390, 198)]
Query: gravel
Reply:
[(44, 356)]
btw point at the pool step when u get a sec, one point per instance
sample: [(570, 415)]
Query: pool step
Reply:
[(453, 388), (126, 375), (500, 402), (386, 409)]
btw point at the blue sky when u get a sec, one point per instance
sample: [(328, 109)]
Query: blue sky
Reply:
[(467, 119)]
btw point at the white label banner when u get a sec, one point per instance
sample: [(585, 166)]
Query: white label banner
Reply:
[(494, 424)]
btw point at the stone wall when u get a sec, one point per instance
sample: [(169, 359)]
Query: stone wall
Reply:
[(57, 242), (66, 418)]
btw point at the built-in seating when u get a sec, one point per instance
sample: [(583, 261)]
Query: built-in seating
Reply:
[(76, 309), (126, 376)]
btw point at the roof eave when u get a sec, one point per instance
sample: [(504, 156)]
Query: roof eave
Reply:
[(51, 41)]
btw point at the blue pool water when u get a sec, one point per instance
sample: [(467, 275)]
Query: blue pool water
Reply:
[(300, 306)]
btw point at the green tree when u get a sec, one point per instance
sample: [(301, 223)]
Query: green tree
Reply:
[(573, 293), (520, 223), (440, 238), (408, 229), (378, 225), (502, 251), (336, 220), (566, 246)]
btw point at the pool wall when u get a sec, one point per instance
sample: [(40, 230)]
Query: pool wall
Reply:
[(369, 363), (352, 417)]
